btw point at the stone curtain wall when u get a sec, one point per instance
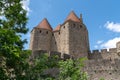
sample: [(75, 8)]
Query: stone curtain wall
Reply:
[(104, 54), (37, 53), (97, 68), (107, 69)]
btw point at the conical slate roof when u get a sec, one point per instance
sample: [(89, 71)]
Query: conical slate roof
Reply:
[(72, 16), (57, 28), (44, 24)]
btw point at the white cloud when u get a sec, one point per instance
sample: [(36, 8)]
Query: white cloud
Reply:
[(115, 27), (99, 41), (96, 46), (110, 43), (26, 5)]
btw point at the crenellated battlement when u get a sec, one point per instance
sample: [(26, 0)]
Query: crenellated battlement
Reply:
[(37, 53), (111, 50), (104, 54)]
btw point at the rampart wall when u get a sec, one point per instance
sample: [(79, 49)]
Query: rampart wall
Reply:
[(104, 54), (107, 69), (37, 53), (102, 64)]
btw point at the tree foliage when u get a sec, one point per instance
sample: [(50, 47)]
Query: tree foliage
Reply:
[(44, 66), (12, 26), (71, 70)]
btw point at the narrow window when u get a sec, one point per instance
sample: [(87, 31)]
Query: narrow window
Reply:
[(73, 25), (94, 71), (52, 34), (47, 32), (59, 33), (80, 26), (110, 73), (110, 59), (64, 27), (40, 31), (55, 42)]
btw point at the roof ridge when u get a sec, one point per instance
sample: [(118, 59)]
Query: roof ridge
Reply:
[(44, 24), (57, 28), (72, 16)]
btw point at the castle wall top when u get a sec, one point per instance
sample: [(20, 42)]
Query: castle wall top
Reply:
[(104, 54), (111, 50)]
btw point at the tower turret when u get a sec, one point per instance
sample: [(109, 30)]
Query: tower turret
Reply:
[(41, 36), (81, 19), (76, 40)]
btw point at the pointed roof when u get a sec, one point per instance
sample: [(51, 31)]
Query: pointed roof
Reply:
[(57, 28), (72, 16), (44, 24)]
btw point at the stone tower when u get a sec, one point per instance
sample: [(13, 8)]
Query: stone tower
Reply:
[(56, 39), (71, 37), (41, 36), (74, 36)]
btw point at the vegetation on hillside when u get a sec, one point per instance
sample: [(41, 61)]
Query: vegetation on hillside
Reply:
[(44, 68)]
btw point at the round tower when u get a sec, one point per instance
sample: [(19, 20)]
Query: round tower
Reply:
[(118, 48), (41, 36)]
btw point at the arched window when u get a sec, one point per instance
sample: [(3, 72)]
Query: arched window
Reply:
[(64, 27)]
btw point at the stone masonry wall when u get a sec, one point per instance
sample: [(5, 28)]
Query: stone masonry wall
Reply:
[(37, 53), (64, 38), (31, 40), (78, 44), (107, 69), (104, 54), (41, 39), (55, 43)]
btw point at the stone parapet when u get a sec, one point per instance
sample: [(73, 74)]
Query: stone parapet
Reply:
[(103, 54), (37, 53)]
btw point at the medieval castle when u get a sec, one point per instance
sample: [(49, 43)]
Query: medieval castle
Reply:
[(70, 39)]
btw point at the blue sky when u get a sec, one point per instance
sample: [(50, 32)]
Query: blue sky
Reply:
[(102, 18)]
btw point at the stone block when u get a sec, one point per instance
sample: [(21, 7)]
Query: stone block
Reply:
[(66, 56), (103, 50), (54, 53), (112, 50)]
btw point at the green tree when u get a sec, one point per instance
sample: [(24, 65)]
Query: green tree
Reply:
[(12, 26), (71, 70), (67, 69), (41, 64)]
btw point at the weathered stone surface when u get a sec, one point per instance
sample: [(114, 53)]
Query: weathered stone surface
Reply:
[(71, 41)]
